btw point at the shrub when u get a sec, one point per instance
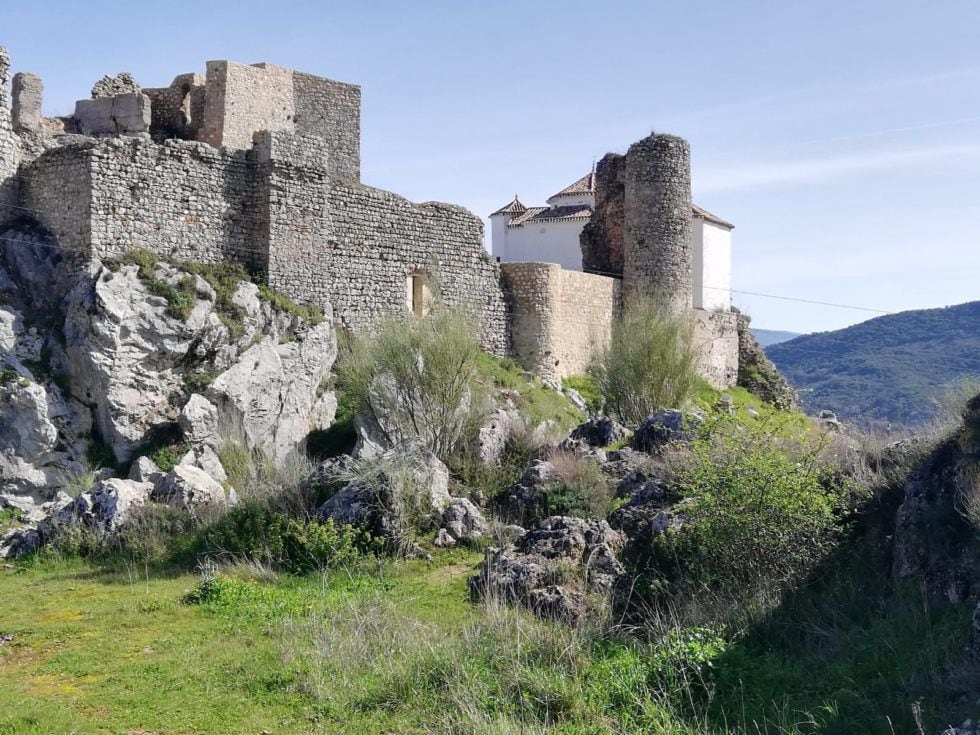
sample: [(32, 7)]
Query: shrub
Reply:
[(581, 489), (417, 378), (760, 513), (254, 531), (648, 365)]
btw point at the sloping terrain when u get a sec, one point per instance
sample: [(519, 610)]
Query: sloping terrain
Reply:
[(893, 368)]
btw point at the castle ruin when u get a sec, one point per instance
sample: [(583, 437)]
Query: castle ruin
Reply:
[(260, 165)]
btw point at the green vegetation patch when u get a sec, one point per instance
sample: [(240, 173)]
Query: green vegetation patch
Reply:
[(536, 402)]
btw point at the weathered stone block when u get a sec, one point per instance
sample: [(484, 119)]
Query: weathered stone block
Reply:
[(27, 89), (124, 114)]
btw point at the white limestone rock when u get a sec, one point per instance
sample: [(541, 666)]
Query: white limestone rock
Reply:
[(189, 486), (199, 421), (125, 351), (272, 391), (205, 458)]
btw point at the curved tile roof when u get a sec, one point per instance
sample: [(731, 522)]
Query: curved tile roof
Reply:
[(514, 207), (585, 185)]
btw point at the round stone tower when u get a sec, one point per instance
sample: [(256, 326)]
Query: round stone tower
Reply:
[(657, 249)]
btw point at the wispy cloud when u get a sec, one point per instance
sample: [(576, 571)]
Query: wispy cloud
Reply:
[(822, 170)]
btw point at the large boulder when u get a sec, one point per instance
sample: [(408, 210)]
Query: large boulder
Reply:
[(198, 421), (462, 522), (665, 428), (407, 486), (552, 568), (273, 389), (600, 432), (190, 487)]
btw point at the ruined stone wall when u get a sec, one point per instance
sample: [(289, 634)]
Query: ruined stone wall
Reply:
[(240, 100), (716, 343), (353, 247), (181, 199), (57, 190), (8, 145), (177, 111), (657, 244), (602, 237), (559, 318), (331, 111)]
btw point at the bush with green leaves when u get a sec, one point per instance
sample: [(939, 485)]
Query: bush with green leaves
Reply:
[(762, 511), (649, 363), (254, 531), (418, 378)]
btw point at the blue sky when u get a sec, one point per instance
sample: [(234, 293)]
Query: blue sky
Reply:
[(841, 138)]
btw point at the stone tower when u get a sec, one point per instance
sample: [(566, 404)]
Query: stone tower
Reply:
[(657, 245)]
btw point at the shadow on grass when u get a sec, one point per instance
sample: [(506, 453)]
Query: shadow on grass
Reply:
[(849, 653)]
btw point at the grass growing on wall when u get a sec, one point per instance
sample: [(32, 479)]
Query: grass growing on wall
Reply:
[(224, 278)]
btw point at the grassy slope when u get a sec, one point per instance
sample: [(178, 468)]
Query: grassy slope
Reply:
[(95, 652)]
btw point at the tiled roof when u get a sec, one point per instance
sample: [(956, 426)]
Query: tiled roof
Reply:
[(515, 207), (704, 214), (585, 185), (551, 214)]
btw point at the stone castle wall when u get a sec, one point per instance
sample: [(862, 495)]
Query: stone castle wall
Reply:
[(240, 100), (559, 318), (9, 154), (716, 343)]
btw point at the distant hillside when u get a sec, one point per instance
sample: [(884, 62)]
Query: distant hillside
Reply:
[(768, 337), (887, 369)]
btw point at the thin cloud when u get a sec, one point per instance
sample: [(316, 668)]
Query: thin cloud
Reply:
[(823, 170)]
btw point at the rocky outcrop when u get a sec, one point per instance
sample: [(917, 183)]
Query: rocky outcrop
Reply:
[(406, 487), (108, 353), (757, 374), (553, 567), (273, 390), (937, 527), (126, 350)]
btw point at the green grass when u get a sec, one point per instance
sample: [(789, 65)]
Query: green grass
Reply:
[(535, 401), (398, 648), (788, 424)]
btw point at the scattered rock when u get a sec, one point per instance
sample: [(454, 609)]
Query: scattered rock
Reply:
[(464, 522), (552, 567), (665, 428), (145, 469), (601, 432), (205, 458), (404, 486)]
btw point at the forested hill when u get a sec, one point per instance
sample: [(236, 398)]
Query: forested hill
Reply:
[(892, 368)]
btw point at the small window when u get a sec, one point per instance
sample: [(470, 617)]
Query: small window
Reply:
[(417, 293)]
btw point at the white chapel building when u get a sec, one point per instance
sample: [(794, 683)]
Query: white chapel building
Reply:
[(550, 234)]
